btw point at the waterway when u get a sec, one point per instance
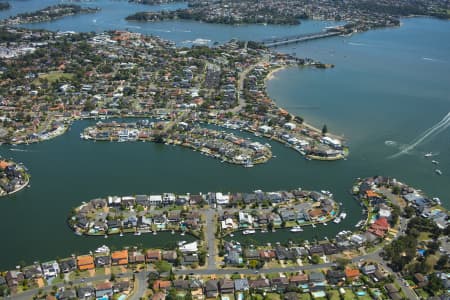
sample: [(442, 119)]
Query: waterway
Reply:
[(388, 85)]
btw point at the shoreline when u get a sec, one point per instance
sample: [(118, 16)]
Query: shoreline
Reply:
[(270, 76)]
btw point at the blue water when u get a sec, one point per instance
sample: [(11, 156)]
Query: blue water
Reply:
[(388, 85)]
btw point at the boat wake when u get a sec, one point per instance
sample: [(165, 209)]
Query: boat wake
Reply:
[(356, 44), (429, 59), (427, 134), (391, 143)]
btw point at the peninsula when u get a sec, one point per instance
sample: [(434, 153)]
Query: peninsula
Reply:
[(126, 74), (359, 15), (48, 14), (13, 177)]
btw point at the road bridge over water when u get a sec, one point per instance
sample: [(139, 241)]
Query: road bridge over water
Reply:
[(275, 42)]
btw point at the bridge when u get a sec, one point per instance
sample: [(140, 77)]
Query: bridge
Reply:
[(275, 42)]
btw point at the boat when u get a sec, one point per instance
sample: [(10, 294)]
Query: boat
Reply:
[(435, 162), (181, 243), (325, 224), (137, 233), (313, 225), (231, 235), (121, 234), (173, 232), (249, 231), (337, 220), (296, 229), (182, 234), (102, 249), (264, 231), (437, 200), (155, 233), (106, 236), (429, 154), (343, 215), (439, 172)]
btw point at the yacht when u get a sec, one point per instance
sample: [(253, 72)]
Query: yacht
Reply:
[(337, 220), (137, 233), (429, 154), (155, 233), (343, 215), (102, 249), (313, 225), (325, 224), (249, 231), (181, 243), (435, 162), (296, 229), (121, 234), (439, 172)]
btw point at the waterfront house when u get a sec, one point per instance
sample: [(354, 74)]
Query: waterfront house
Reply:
[(143, 200), (14, 278), (288, 215), (153, 255), (68, 265), (136, 257), (251, 253), (102, 260), (267, 255), (212, 288), (128, 201), (156, 200), (50, 269), (379, 228), (85, 262), (233, 257), (103, 289), (32, 272), (330, 249), (119, 257), (283, 253), (316, 249)]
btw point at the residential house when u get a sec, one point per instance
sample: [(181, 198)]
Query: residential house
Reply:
[(299, 279), (102, 261), (280, 283), (241, 285), (85, 292), (32, 272), (352, 274), (212, 288), (14, 278), (85, 262), (103, 289), (420, 280), (170, 256), (119, 257), (335, 276), (369, 269), (260, 284), (68, 265), (153, 255), (50, 269), (121, 286), (136, 257), (226, 286), (159, 285)]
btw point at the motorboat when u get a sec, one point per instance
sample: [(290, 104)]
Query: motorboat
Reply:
[(439, 172), (435, 162), (337, 220), (102, 249), (343, 215), (249, 231), (296, 229), (429, 154)]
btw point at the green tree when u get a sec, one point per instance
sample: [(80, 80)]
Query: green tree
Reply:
[(324, 129)]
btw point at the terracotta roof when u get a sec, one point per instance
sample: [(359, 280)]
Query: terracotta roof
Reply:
[(4, 164), (371, 194), (351, 273), (120, 254), (85, 260), (161, 284)]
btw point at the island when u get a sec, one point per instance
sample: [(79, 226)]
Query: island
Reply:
[(13, 177), (48, 14), (4, 5), (130, 75)]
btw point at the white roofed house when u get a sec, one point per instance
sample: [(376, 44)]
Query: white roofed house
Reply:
[(384, 211), (168, 198), (189, 248), (222, 199), (114, 201), (155, 200), (245, 219), (50, 269)]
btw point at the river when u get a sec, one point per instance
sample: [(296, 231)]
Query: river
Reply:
[(388, 85)]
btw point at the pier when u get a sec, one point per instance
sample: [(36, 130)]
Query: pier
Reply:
[(281, 41)]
